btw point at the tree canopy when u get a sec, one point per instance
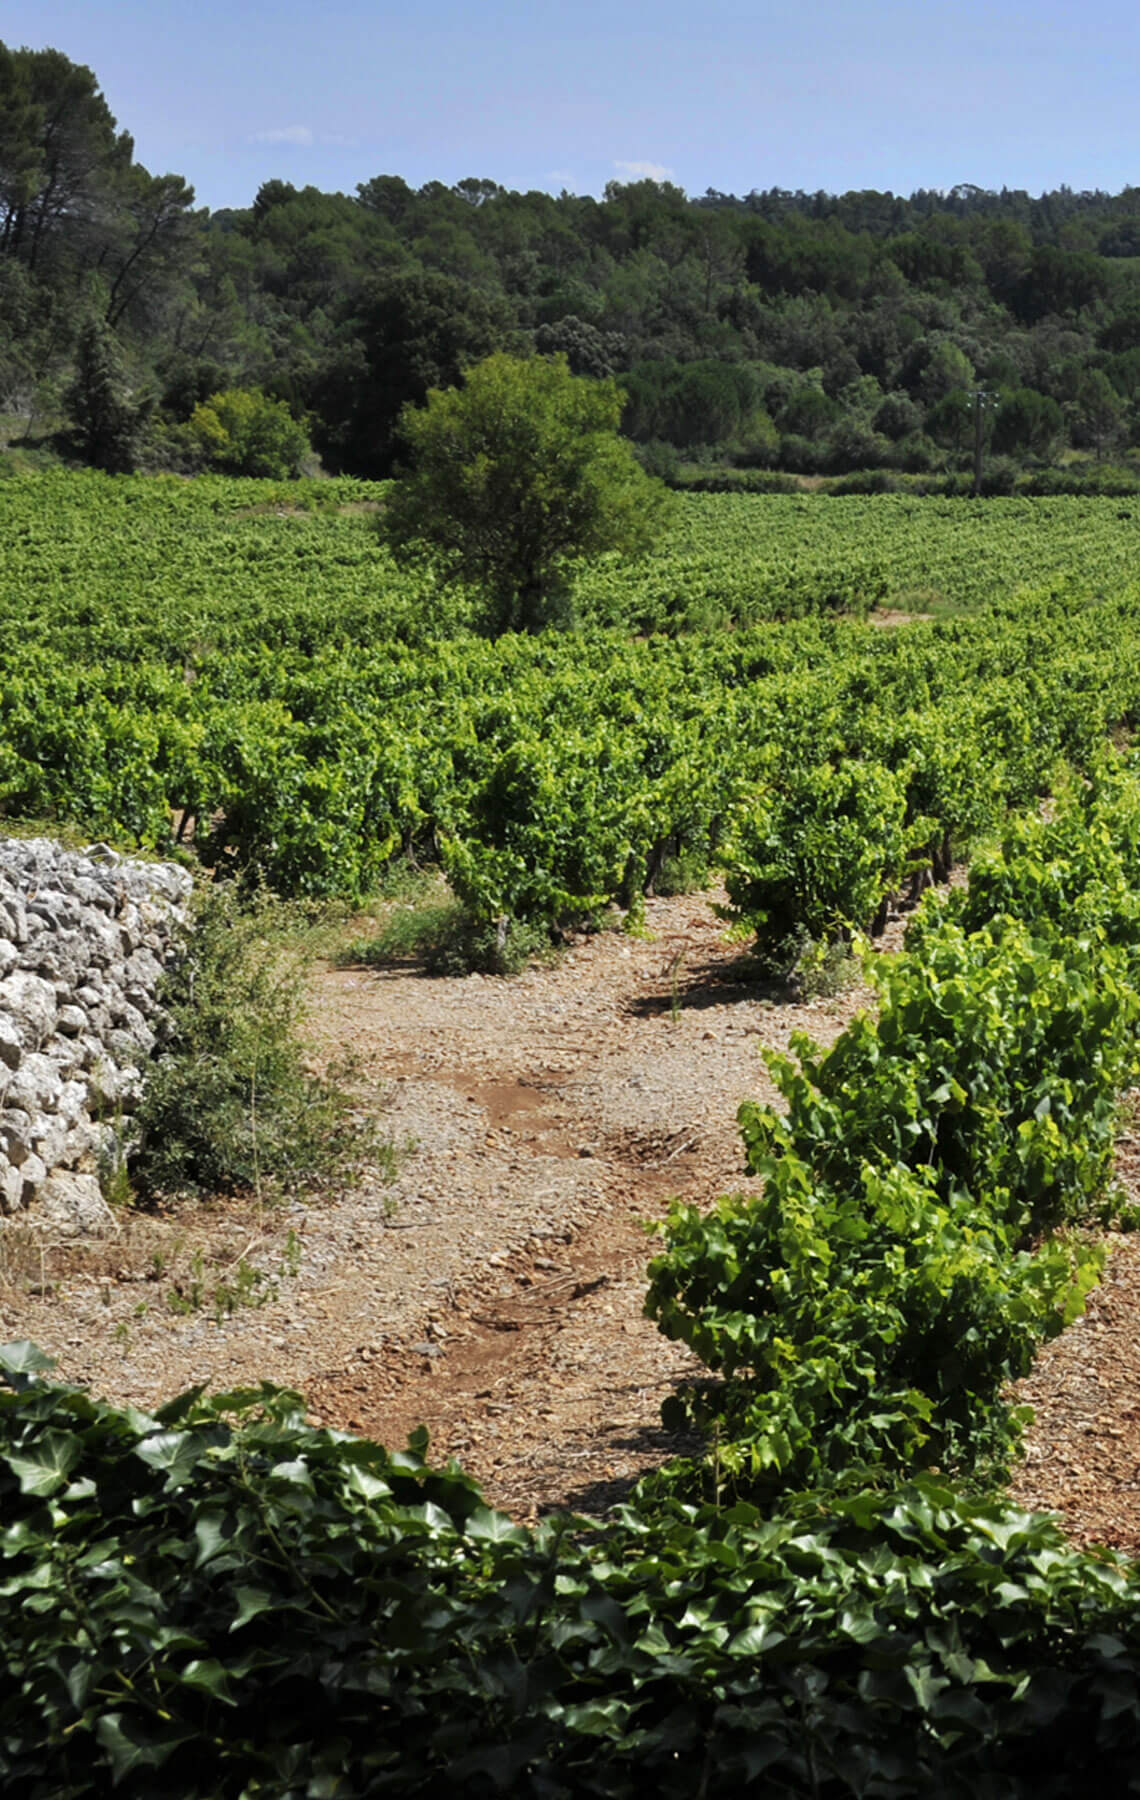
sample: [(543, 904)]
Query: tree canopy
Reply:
[(516, 475), (244, 432), (814, 333)]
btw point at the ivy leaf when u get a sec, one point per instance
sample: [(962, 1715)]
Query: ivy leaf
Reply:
[(251, 1601), (175, 1453), (494, 1528), (212, 1531), (295, 1473), (44, 1470), (129, 1749), (370, 1487), (926, 1685), (211, 1677), (175, 1410), (24, 1358)]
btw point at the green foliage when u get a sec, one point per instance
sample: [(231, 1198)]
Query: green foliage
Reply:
[(720, 312), (861, 1319), (742, 558), (292, 716), (245, 432), (824, 967), (225, 1291), (1073, 870), (995, 1061), (515, 476), (691, 403), (401, 335), (108, 421), (78, 217), (862, 1332), (547, 834), (868, 1310), (447, 940), (229, 1104), (1026, 420), (818, 853), (173, 570), (220, 1601)]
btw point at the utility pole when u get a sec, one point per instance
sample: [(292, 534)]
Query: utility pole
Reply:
[(984, 400)]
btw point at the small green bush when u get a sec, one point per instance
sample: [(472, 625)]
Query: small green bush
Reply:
[(244, 432), (229, 1104), (684, 871), (868, 1310), (816, 853), (448, 940)]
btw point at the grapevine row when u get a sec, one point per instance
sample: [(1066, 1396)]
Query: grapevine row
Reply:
[(821, 765)]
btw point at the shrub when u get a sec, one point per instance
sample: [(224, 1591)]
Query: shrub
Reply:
[(868, 1309), (229, 1104), (107, 418), (244, 432), (448, 940), (817, 852)]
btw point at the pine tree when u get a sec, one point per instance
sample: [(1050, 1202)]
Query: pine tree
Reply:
[(98, 402)]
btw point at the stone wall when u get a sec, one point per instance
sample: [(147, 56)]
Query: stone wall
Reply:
[(84, 940)]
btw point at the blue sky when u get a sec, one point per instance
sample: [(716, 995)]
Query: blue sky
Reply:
[(887, 93)]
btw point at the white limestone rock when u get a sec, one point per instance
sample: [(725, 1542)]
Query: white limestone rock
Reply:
[(71, 1204), (29, 1000)]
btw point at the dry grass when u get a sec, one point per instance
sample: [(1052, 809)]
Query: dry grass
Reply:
[(200, 1243)]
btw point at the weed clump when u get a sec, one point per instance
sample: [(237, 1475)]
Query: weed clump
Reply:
[(448, 940)]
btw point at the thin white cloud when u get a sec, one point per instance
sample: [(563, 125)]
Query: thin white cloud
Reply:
[(285, 134), (642, 171)]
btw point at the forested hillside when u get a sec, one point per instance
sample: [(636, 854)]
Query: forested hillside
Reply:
[(772, 330)]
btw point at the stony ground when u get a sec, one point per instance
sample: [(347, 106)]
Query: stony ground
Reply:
[(493, 1291)]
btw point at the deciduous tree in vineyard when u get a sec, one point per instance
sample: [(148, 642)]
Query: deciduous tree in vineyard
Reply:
[(516, 475)]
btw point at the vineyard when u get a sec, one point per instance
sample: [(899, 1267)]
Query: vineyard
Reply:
[(175, 571), (835, 1599), (192, 653)]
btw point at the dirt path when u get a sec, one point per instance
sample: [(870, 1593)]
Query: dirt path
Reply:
[(494, 1291), (1083, 1449)]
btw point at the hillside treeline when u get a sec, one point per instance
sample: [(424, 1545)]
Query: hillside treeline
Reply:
[(811, 332)]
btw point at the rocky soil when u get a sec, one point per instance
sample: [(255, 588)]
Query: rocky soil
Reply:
[(493, 1290)]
